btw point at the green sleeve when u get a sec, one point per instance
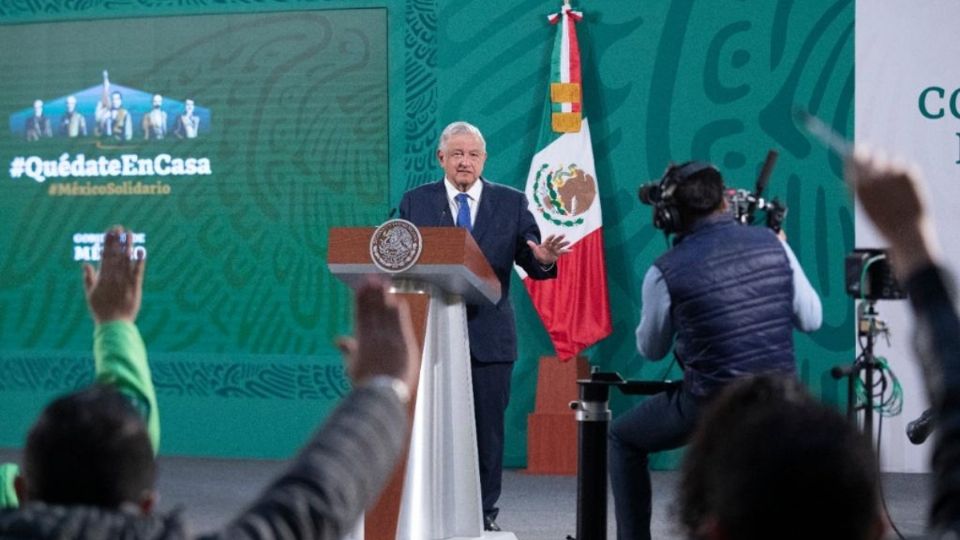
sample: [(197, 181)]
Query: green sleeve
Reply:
[(120, 359), (8, 495)]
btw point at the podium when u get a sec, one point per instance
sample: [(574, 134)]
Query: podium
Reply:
[(434, 492)]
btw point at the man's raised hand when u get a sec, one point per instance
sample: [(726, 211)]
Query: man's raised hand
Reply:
[(115, 291)]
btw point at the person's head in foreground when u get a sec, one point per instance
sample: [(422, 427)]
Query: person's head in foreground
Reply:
[(768, 461), (89, 448)]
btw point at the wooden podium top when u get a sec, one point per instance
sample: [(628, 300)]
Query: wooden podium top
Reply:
[(450, 260)]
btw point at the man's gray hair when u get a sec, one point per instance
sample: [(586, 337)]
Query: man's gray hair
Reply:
[(458, 128)]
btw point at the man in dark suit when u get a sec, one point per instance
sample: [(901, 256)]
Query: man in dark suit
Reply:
[(498, 218)]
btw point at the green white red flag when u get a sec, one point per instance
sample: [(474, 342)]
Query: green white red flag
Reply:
[(563, 194)]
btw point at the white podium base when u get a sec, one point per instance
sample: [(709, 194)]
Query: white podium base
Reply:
[(488, 535), (441, 489)]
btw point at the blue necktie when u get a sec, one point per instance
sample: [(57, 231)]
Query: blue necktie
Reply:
[(463, 214)]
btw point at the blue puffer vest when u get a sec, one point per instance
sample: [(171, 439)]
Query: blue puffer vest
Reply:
[(731, 297)]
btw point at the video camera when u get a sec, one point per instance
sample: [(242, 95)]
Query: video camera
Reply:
[(870, 276), (742, 204)]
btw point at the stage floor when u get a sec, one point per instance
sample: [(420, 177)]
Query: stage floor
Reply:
[(211, 491)]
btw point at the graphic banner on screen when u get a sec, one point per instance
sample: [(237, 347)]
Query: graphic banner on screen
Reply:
[(228, 144), (111, 111)]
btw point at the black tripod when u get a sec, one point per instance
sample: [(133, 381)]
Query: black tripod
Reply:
[(593, 417), (869, 326)]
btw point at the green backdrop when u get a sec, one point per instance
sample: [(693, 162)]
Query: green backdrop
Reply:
[(241, 337)]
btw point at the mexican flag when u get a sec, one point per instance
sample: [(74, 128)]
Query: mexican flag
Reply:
[(563, 196)]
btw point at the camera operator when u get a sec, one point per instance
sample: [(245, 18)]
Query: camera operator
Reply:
[(727, 297)]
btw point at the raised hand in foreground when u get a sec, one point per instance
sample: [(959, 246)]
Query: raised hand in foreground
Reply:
[(114, 292), (893, 197), (384, 344)]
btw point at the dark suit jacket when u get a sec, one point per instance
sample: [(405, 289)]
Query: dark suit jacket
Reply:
[(502, 227)]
